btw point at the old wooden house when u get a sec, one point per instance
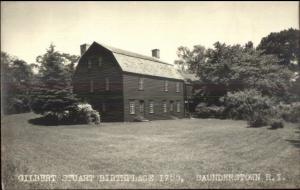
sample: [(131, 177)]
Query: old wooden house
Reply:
[(123, 85)]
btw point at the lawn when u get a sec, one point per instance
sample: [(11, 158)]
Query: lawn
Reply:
[(184, 149)]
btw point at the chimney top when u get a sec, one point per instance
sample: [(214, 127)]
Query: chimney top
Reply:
[(155, 53), (83, 48)]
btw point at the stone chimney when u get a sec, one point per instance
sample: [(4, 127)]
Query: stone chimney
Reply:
[(155, 53), (83, 48)]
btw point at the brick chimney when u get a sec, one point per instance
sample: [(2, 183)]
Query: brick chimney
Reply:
[(83, 48), (155, 53)]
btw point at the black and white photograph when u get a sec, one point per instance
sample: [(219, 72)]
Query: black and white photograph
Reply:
[(150, 95)]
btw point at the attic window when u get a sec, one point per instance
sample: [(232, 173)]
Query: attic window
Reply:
[(141, 83), (100, 61), (177, 87), (89, 63), (166, 86)]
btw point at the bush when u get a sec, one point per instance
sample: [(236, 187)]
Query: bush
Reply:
[(240, 105), (17, 105), (81, 113), (276, 124), (289, 112), (204, 111), (250, 105)]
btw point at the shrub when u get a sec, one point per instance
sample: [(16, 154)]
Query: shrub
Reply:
[(83, 113), (250, 105), (276, 124), (17, 105), (240, 105), (289, 112), (203, 111)]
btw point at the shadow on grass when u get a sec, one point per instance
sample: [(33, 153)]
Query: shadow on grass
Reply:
[(44, 121), (295, 142)]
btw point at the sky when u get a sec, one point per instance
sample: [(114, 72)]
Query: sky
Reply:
[(28, 28)]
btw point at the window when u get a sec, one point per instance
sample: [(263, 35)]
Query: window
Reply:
[(171, 106), (164, 106), (141, 83), (177, 87), (107, 84), (166, 86), (131, 107), (91, 86), (103, 107), (178, 106), (151, 106), (142, 107), (89, 63), (100, 61)]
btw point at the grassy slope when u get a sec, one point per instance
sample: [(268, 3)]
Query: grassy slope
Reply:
[(184, 147)]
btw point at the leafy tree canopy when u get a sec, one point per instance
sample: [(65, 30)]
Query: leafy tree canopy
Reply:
[(283, 44)]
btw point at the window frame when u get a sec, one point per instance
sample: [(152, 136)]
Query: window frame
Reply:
[(164, 106), (178, 106), (166, 86), (103, 107), (177, 87), (151, 107), (141, 83), (131, 107), (89, 62)]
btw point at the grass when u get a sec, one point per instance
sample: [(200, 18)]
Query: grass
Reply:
[(185, 147)]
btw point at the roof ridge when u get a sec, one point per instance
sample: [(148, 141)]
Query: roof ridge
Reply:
[(133, 54)]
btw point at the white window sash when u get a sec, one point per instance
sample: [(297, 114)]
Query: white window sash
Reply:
[(132, 107)]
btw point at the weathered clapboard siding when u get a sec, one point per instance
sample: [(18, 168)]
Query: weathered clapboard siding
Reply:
[(153, 91), (124, 84), (113, 98)]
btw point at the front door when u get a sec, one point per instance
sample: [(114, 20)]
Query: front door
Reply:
[(142, 108)]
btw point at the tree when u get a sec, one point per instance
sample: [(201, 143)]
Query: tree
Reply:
[(190, 60), (226, 68), (16, 79), (285, 45), (53, 94)]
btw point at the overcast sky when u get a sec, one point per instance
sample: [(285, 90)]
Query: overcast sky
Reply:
[(28, 28)]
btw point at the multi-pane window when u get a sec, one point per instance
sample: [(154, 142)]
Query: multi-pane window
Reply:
[(106, 84), (166, 86), (91, 86), (131, 107), (171, 106), (177, 87), (151, 106), (164, 106), (142, 107), (141, 83), (103, 107), (89, 63), (178, 106)]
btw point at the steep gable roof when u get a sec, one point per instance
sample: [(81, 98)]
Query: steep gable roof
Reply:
[(141, 64)]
